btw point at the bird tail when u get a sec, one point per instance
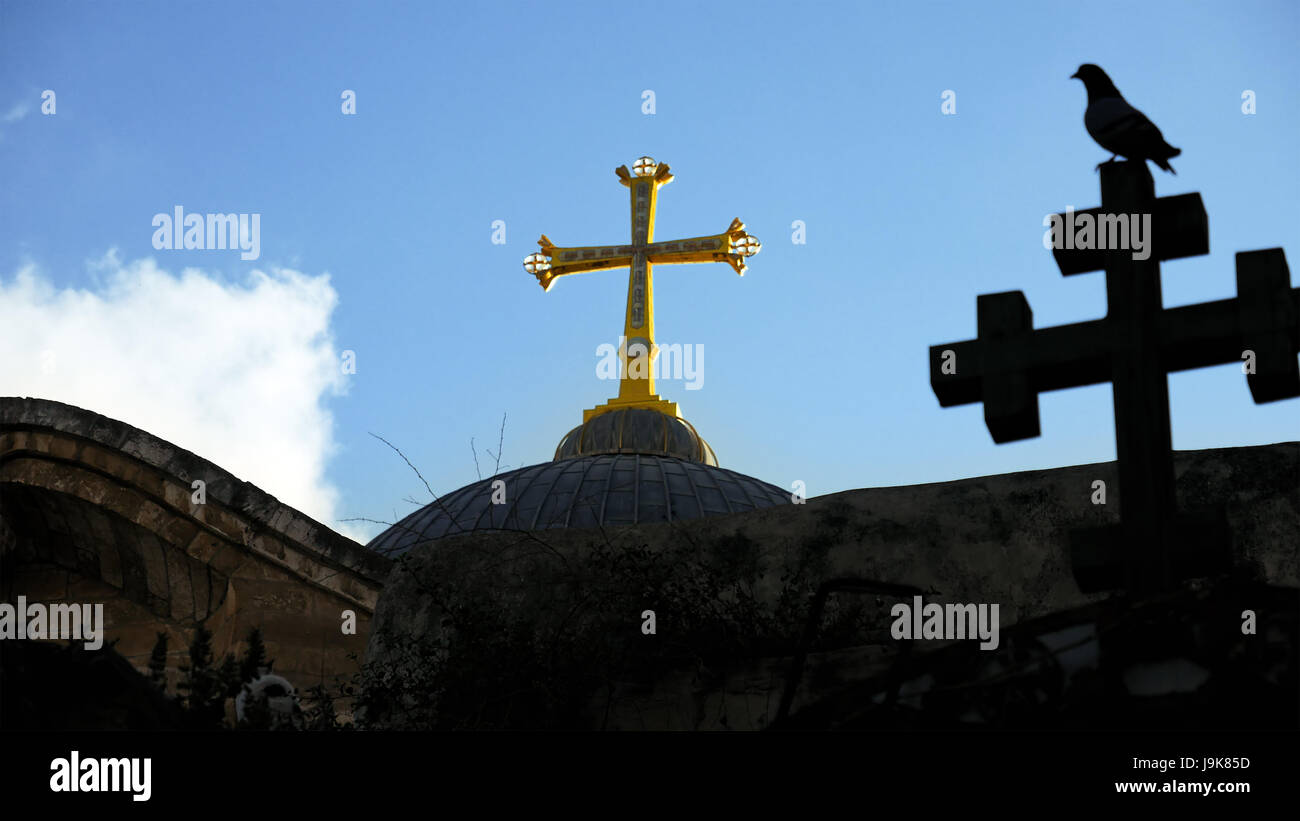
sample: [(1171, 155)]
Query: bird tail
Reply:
[(1163, 162)]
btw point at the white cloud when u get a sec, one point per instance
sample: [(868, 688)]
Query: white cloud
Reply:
[(16, 112), (235, 372)]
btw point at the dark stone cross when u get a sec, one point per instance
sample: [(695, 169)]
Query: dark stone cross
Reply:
[(1134, 348)]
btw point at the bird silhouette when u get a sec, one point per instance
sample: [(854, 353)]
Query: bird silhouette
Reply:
[(1119, 127)]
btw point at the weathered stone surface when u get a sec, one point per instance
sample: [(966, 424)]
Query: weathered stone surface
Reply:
[(94, 508), (996, 539)]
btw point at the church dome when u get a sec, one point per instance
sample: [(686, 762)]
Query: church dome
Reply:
[(636, 430), (585, 492)]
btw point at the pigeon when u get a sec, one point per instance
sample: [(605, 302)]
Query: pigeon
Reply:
[(1119, 127)]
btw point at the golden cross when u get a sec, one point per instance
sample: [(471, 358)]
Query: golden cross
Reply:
[(636, 387)]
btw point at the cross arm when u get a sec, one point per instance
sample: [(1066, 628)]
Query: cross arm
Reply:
[(1264, 319), (1179, 228), (1011, 363), (555, 261), (731, 247), (1041, 360)]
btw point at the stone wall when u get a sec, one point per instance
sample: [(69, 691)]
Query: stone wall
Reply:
[(996, 539), (94, 510)]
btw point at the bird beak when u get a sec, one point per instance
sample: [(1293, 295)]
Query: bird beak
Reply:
[(1074, 76)]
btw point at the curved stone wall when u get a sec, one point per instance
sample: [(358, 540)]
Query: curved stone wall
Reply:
[(94, 510)]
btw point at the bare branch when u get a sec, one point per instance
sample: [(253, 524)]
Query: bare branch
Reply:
[(500, 441), (408, 463)]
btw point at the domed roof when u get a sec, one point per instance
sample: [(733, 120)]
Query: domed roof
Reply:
[(585, 491), (636, 430)]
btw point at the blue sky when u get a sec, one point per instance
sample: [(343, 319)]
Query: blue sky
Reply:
[(816, 361)]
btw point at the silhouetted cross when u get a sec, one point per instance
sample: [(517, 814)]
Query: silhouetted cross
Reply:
[(1134, 348)]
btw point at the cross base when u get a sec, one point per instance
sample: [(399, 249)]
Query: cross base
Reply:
[(1103, 559), (652, 402)]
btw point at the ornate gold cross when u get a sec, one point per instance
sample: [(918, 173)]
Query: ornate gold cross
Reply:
[(636, 387)]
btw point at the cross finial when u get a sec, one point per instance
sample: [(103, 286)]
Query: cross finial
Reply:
[(636, 378)]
